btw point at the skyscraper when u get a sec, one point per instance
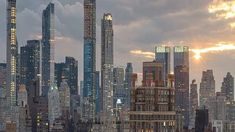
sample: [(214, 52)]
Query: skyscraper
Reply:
[(118, 85), (228, 87), (193, 102), (163, 55), (54, 107), (30, 60), (3, 74), (107, 72), (207, 87), (68, 71), (48, 48), (12, 53), (181, 70), (127, 84), (89, 91)]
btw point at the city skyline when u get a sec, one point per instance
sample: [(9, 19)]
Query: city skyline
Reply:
[(134, 64), (72, 11)]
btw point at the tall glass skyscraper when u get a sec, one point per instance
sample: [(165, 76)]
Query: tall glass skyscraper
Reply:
[(89, 90), (48, 48), (12, 53), (107, 72), (181, 70), (30, 62), (128, 80), (163, 55)]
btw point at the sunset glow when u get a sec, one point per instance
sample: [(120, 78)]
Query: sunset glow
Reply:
[(220, 47)]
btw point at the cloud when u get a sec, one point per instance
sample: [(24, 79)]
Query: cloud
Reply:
[(138, 24)]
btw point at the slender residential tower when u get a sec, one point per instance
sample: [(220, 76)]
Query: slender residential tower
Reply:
[(89, 90), (48, 48), (12, 52), (107, 72), (181, 70)]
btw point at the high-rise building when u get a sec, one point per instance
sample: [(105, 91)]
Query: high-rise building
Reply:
[(163, 55), (107, 116), (68, 71), (98, 94), (38, 108), (207, 87), (181, 71), (30, 63), (193, 103), (48, 47), (72, 74), (118, 85), (228, 87), (127, 84), (64, 92), (152, 106), (3, 74), (54, 109), (89, 90), (202, 120), (217, 107), (12, 53)]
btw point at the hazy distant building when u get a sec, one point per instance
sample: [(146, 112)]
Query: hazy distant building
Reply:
[(127, 84), (163, 55), (89, 89), (193, 102), (230, 110), (68, 71), (152, 106), (48, 47), (217, 107), (207, 87), (64, 92), (228, 87), (181, 72)]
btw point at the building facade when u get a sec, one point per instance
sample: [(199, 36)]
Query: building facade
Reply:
[(181, 71), (152, 105), (89, 89), (207, 87), (48, 48), (30, 63), (107, 73), (163, 55), (228, 87), (12, 53), (193, 102), (127, 84), (118, 85)]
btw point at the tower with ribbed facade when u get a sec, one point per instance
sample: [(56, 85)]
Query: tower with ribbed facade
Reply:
[(107, 73), (12, 52), (89, 90)]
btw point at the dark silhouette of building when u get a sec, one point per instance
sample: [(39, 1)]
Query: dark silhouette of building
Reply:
[(202, 120)]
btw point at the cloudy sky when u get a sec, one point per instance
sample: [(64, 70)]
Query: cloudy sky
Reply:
[(138, 25)]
